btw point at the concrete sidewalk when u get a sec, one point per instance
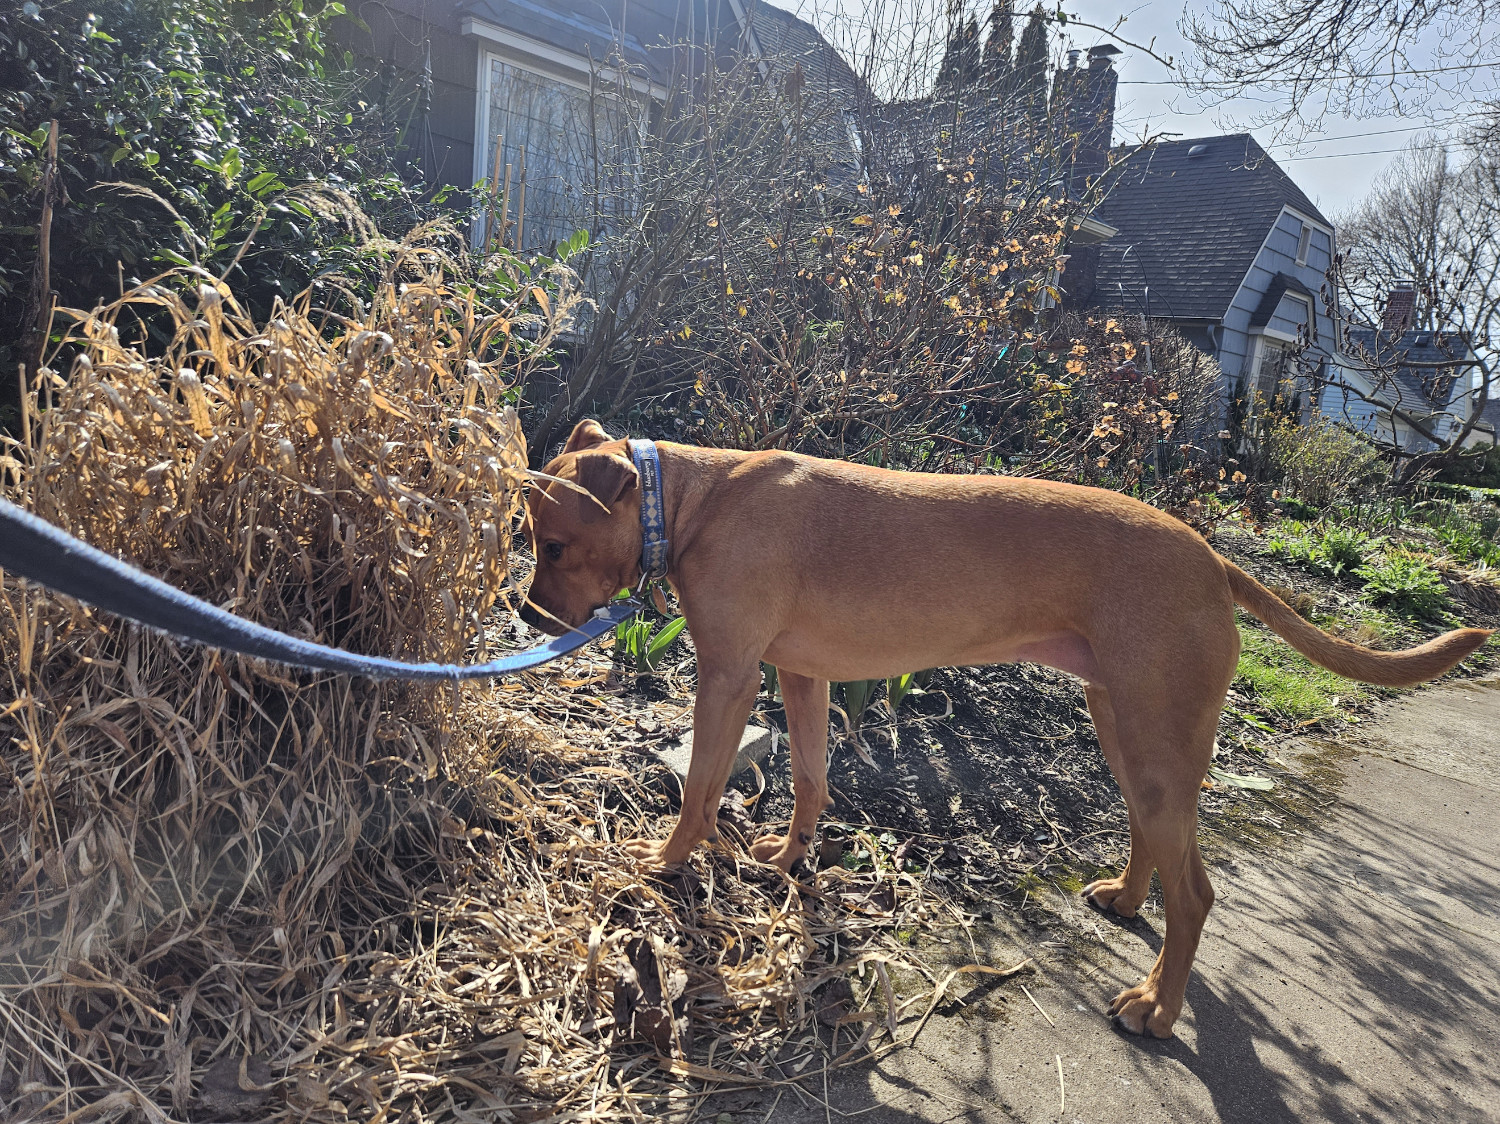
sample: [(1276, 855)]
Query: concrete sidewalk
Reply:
[(1354, 978)]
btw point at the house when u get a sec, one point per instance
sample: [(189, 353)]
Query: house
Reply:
[(530, 84), (838, 101), (1486, 431), (1403, 386), (536, 85), (1214, 238)]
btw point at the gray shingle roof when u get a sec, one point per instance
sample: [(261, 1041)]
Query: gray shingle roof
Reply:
[(1190, 226), (834, 96), (1490, 415), (1415, 389), (786, 39)]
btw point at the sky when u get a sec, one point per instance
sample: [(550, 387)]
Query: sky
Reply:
[(1336, 163)]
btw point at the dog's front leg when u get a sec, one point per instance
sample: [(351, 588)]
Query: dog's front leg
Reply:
[(725, 696), (807, 721)]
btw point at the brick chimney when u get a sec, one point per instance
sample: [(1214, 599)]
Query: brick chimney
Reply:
[(1095, 117), (1400, 307), (1092, 118)]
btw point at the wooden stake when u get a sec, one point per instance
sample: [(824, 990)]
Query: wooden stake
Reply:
[(489, 213), (505, 206), (42, 278), (521, 206), (25, 406)]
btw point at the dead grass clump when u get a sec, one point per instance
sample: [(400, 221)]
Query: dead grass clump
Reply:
[(1301, 602), (232, 891), (1478, 585)]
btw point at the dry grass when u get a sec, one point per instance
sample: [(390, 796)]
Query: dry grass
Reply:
[(1477, 584), (231, 891)]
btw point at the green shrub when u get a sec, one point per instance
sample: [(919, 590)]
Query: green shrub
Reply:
[(1476, 468), (1290, 540), (1407, 584), (1321, 463), (1467, 531), (183, 129), (1330, 550), (1375, 512), (1342, 549)]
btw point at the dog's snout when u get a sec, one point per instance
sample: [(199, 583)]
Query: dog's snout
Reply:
[(530, 615)]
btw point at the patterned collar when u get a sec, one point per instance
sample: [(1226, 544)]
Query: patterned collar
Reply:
[(654, 544)]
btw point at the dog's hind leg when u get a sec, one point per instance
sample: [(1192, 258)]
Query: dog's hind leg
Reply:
[(1123, 895), (1166, 710), (726, 692), (1169, 827), (807, 722)]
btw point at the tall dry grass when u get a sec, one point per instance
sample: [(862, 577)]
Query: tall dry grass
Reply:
[(229, 891)]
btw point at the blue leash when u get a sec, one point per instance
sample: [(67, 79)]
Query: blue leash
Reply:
[(32, 548)]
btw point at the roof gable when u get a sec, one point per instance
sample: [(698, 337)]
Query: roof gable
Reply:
[(1190, 224), (786, 40), (1423, 389)]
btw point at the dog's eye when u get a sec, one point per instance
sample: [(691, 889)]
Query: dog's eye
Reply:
[(554, 551)]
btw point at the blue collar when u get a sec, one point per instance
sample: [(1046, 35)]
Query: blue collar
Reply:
[(654, 544)]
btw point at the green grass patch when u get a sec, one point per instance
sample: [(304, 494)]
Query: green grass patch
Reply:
[(1285, 683)]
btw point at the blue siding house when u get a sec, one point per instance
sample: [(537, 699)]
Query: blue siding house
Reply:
[(1216, 239), (1386, 384)]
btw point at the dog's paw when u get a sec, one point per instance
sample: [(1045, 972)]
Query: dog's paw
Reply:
[(1107, 896), (1136, 1010), (778, 850), (652, 852)]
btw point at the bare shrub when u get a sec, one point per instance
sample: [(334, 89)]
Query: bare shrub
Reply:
[(815, 269), (1319, 462)]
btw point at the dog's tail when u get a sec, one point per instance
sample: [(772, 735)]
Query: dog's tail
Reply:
[(1384, 669)]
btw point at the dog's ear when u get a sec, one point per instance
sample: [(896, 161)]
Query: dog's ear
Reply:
[(587, 434), (608, 477)]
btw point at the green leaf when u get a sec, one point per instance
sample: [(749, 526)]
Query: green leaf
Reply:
[(857, 696), (264, 184), (1253, 720), (661, 641), (897, 688)]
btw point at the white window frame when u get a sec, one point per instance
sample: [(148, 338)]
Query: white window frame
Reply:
[(498, 44), (1257, 354), (1304, 243)]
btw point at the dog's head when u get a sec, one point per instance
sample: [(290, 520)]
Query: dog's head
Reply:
[(587, 540)]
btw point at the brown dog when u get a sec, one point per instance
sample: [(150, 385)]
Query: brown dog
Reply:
[(834, 571)]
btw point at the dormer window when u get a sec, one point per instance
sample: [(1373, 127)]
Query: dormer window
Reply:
[(1303, 243)]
